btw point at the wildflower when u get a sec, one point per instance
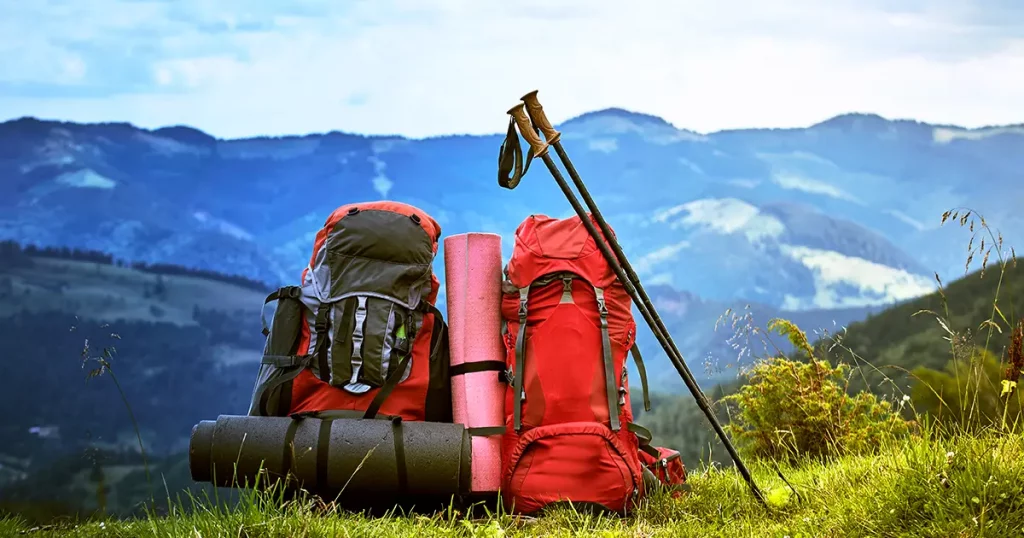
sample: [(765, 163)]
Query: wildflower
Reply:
[(1015, 360)]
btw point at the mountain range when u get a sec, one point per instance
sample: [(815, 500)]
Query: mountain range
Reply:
[(824, 224)]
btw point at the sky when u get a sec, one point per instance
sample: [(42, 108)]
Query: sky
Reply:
[(237, 68)]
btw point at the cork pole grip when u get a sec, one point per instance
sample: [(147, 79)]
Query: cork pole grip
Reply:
[(518, 113), (538, 117)]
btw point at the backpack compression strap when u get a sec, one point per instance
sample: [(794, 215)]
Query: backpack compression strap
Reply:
[(644, 437), (609, 362), (639, 361), (321, 326), (517, 380)]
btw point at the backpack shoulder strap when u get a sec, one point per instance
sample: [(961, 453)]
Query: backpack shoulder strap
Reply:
[(438, 405)]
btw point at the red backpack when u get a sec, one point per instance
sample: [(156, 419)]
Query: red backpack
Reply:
[(361, 333), (569, 425)]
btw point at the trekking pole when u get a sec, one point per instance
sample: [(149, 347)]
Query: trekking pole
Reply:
[(539, 148), (540, 121)]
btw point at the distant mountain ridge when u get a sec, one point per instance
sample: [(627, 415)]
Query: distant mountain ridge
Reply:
[(838, 216)]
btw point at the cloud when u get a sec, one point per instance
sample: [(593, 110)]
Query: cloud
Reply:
[(243, 68)]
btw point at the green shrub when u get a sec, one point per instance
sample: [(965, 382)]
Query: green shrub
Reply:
[(972, 393), (789, 409)]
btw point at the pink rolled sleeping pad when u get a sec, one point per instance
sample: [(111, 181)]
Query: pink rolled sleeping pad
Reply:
[(472, 268)]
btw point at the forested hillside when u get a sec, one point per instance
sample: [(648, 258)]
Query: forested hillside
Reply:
[(884, 351)]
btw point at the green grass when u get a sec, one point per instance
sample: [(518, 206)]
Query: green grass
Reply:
[(917, 486)]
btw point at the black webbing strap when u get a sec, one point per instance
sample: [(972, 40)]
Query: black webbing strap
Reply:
[(289, 448), (510, 158), (639, 361), (474, 367), (517, 381), (323, 447), (286, 361), (400, 464), (651, 451), (609, 363), (644, 437), (486, 431), (322, 345), (290, 292), (283, 381), (385, 390), (642, 433)]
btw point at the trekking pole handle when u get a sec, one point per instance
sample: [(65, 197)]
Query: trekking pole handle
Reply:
[(538, 117), (526, 129)]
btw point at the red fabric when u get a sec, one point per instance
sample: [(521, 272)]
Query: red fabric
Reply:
[(572, 461), (407, 399), (668, 467), (544, 245), (566, 449)]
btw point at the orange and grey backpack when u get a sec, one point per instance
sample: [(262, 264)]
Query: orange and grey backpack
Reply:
[(361, 333)]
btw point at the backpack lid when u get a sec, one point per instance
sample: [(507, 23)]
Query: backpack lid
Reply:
[(380, 248), (546, 245)]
